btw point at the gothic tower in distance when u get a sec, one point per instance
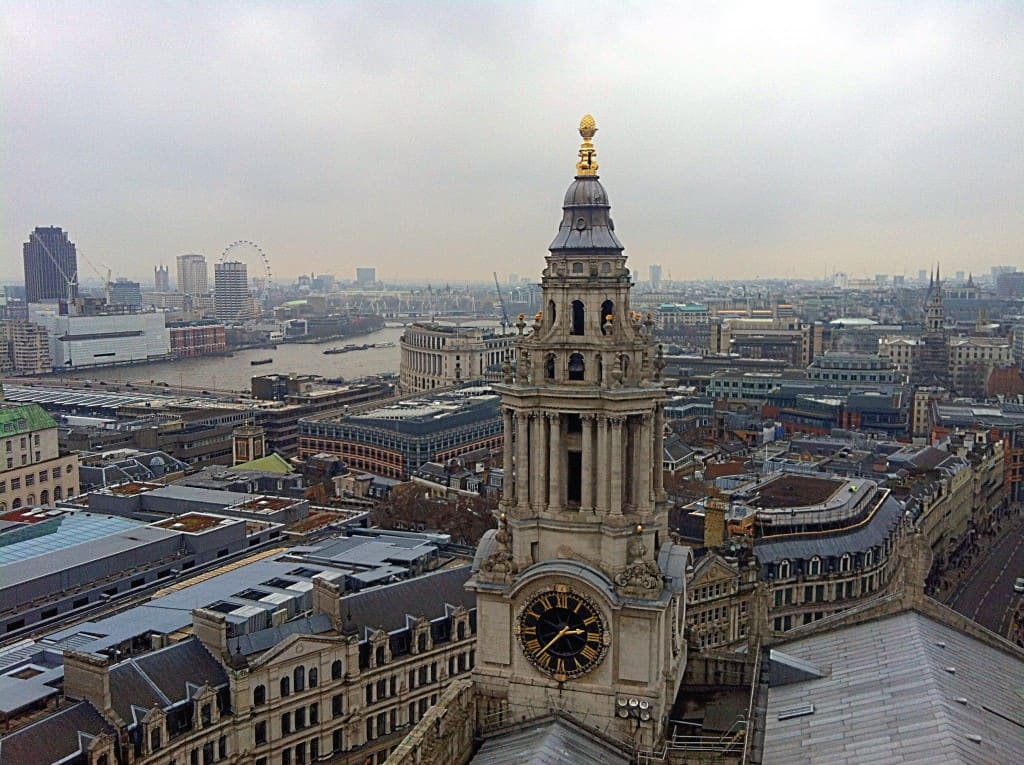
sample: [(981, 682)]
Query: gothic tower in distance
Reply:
[(580, 591)]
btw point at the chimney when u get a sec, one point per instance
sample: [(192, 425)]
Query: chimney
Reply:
[(211, 627), (327, 592), (714, 523), (87, 677)]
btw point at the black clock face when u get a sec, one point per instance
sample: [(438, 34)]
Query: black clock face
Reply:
[(562, 633)]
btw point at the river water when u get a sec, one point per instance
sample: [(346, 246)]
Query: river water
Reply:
[(234, 373)]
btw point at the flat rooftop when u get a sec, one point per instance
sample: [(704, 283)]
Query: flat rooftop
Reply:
[(792, 490), (193, 523), (265, 504)]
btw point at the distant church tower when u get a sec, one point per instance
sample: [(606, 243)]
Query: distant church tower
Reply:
[(248, 443), (933, 359), (580, 591)]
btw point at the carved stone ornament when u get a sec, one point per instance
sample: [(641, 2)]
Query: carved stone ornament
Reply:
[(506, 371), (641, 578), (500, 566)]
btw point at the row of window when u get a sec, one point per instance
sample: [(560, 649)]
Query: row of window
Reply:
[(297, 682), (9, 446)]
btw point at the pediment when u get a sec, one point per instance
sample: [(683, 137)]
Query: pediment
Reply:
[(295, 646)]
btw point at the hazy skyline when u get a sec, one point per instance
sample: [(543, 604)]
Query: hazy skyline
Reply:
[(435, 141)]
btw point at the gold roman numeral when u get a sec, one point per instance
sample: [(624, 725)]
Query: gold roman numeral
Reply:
[(544, 660), (590, 620), (528, 629), (532, 645), (593, 637), (545, 602), (562, 600), (560, 667), (588, 653)]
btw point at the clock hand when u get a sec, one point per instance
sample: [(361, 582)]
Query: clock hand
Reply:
[(553, 640)]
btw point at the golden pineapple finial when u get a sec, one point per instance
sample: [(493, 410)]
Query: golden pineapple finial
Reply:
[(588, 155)]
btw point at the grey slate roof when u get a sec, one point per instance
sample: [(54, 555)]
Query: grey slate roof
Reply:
[(860, 538), (262, 640), (548, 742), (54, 738), (426, 596), (187, 663), (130, 687), (904, 688)]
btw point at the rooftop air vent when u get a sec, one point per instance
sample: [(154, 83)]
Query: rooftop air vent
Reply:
[(799, 711)]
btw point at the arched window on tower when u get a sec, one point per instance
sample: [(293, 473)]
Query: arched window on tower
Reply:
[(549, 367), (624, 363), (600, 369), (551, 313), (576, 367), (577, 318), (607, 312)]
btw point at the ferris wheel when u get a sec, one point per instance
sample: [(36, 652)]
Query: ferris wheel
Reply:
[(256, 261)]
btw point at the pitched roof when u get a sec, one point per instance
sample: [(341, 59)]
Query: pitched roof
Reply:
[(174, 668), (425, 596), (55, 737), (903, 688), (548, 742), (16, 419), (271, 463)]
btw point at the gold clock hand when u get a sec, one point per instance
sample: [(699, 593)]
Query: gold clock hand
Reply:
[(553, 640)]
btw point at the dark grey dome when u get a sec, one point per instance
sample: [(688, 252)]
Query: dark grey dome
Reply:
[(586, 226)]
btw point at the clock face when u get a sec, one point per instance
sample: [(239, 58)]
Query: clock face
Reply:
[(562, 633)]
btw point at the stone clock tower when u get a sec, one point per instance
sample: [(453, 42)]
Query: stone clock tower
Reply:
[(580, 591)]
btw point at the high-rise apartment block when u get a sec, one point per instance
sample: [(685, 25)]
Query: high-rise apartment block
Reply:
[(192, 275), (655, 276), (51, 265), (161, 279), (366, 275), (231, 299)]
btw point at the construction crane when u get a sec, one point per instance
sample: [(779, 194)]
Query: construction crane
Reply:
[(505, 323)]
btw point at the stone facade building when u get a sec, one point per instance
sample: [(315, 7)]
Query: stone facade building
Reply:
[(439, 356), (580, 591), (32, 469)]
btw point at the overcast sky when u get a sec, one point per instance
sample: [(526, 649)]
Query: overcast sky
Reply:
[(435, 140)]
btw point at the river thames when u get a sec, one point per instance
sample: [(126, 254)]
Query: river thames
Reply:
[(234, 372)]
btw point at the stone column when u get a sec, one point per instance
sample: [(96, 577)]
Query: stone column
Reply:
[(615, 477), (555, 460), (601, 478), (538, 464), (659, 430), (506, 455), (522, 459), (646, 474), (587, 473)]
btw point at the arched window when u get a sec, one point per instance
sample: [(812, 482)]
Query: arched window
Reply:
[(16, 503), (814, 569), (551, 313), (783, 569), (460, 631), (607, 315), (299, 679), (58, 493), (380, 656), (259, 695), (336, 671), (624, 363), (286, 687), (549, 367), (576, 367), (844, 563), (578, 314), (314, 677), (869, 557), (421, 642), (44, 497), (30, 499), (600, 370)]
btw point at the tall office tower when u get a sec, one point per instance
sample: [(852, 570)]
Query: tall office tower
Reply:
[(655, 273), (231, 299), (161, 279), (51, 265), (366, 275), (192, 275)]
